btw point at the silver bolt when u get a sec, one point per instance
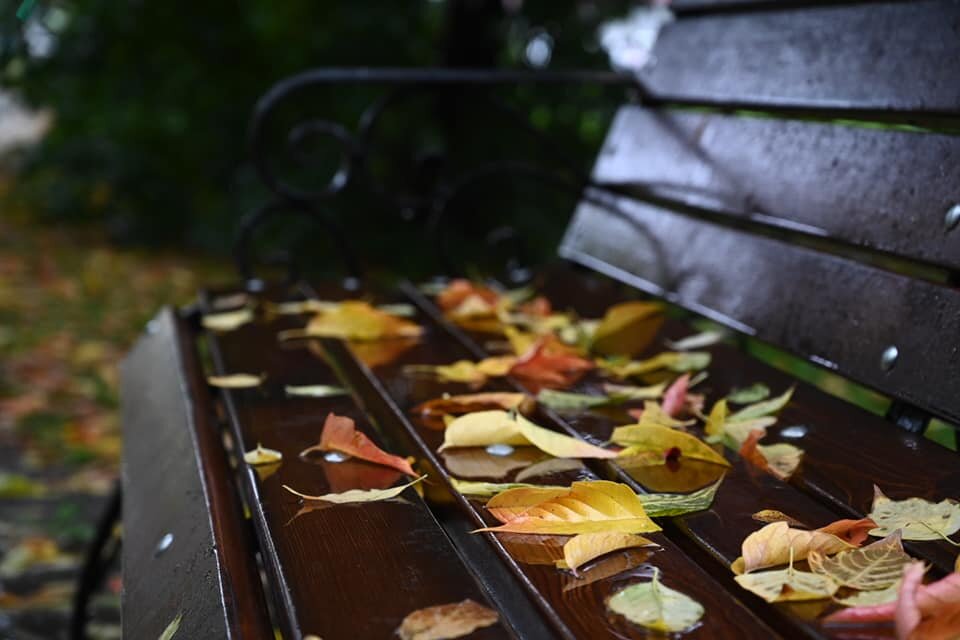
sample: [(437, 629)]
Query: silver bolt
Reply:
[(164, 544), (953, 217), (889, 358)]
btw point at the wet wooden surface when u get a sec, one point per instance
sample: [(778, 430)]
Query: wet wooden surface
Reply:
[(338, 571)]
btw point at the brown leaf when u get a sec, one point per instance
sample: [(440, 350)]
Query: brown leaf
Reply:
[(772, 515), (445, 621)]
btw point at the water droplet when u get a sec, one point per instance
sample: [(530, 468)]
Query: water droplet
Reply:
[(334, 456), (164, 544), (796, 431), (499, 449)]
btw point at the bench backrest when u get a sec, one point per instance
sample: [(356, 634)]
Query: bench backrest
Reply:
[(794, 172)]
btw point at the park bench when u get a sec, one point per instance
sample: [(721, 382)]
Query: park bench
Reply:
[(788, 170)]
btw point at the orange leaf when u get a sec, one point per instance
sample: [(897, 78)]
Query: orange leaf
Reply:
[(779, 460), (340, 434), (551, 364), (460, 289), (538, 306), (852, 531), (432, 411)]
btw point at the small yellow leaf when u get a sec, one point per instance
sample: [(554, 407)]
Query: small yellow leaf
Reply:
[(871, 598), (772, 515), (783, 585), (460, 371), (627, 328), (446, 621), (765, 408), (511, 503), (585, 547), (782, 458), (227, 320), (870, 568), (736, 433), (773, 545), (653, 413), (357, 495), (172, 628), (235, 381), (628, 393), (558, 444), (496, 366), (716, 419), (656, 606), (487, 489), (662, 441), (262, 455), (679, 361), (919, 519), (356, 320)]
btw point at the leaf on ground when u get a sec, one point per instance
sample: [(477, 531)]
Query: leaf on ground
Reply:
[(629, 393), (550, 466), (446, 621), (474, 462), (456, 405), (716, 419), (871, 598), (779, 460), (558, 444), (661, 505), (655, 606), (356, 320), (653, 413), (550, 364), (262, 455), (679, 361), (227, 320), (627, 328), (357, 495), (664, 442), (235, 381), (875, 566), (675, 398), (783, 585), (697, 340), (315, 391), (775, 543), (566, 401), (749, 395), (583, 548), (761, 409), (587, 507), (340, 434), (736, 433), (772, 515), (172, 628), (488, 489), (460, 290), (852, 531), (919, 519)]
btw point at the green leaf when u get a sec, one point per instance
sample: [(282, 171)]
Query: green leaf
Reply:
[(918, 518), (788, 584), (760, 409), (172, 628), (754, 393), (657, 607), (566, 401), (659, 505)]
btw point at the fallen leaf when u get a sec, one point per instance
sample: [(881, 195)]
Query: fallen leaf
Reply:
[(784, 585), (697, 340), (779, 460), (376, 354), (662, 441), (930, 599), (474, 462), (356, 320), (357, 495), (875, 566), (627, 328), (677, 476), (172, 628), (656, 606), (772, 515), (776, 543), (229, 301), (679, 361), (315, 391), (628, 393), (468, 403), (550, 364), (761, 409), (460, 289), (653, 413), (716, 419), (587, 507), (445, 621), (340, 434), (558, 444), (566, 401), (662, 505), (675, 398), (297, 307), (488, 489), (736, 433), (871, 598), (748, 395), (919, 519), (583, 548), (852, 531), (235, 381), (262, 455), (550, 466), (227, 320)]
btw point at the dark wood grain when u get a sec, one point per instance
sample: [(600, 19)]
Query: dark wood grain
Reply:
[(879, 189), (206, 574), (835, 312), (340, 571), (883, 56)]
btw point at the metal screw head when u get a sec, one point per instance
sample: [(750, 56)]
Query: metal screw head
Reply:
[(889, 357), (164, 544), (952, 219)]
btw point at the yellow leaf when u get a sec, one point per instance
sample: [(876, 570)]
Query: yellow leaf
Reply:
[(558, 444), (171, 629), (357, 495), (765, 408), (736, 433), (587, 507), (773, 544), (520, 341), (871, 598), (657, 607), (788, 584), (653, 413), (716, 419), (496, 366), (870, 568), (460, 371), (355, 320), (919, 519), (511, 503), (227, 320), (487, 489), (626, 392), (585, 547), (446, 621), (662, 441), (262, 455), (782, 458), (627, 328), (678, 361), (235, 381)]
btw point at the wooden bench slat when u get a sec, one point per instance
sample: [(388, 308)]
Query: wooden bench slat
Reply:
[(883, 56), (342, 571), (205, 570), (823, 179), (835, 312)]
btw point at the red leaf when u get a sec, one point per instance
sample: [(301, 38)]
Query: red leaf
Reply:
[(539, 306), (459, 290), (852, 531), (551, 364), (675, 398), (340, 434)]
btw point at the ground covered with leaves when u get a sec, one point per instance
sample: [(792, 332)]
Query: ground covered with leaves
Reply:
[(70, 307)]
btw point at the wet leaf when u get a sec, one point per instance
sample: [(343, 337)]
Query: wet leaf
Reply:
[(459, 290), (558, 444), (315, 391), (340, 434), (919, 519), (875, 566), (776, 543), (629, 393), (550, 364), (488, 489), (355, 320), (587, 507), (172, 628), (761, 409), (474, 462), (446, 621), (675, 398), (550, 466), (235, 381), (627, 328), (783, 585), (747, 395), (663, 442), (612, 565), (852, 531), (871, 598), (697, 340), (227, 320), (455, 405), (465, 371), (662, 505), (930, 599), (653, 413), (566, 401), (585, 547), (736, 433), (357, 495), (779, 460), (716, 419), (772, 515), (262, 455), (376, 354), (656, 606), (679, 361)]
